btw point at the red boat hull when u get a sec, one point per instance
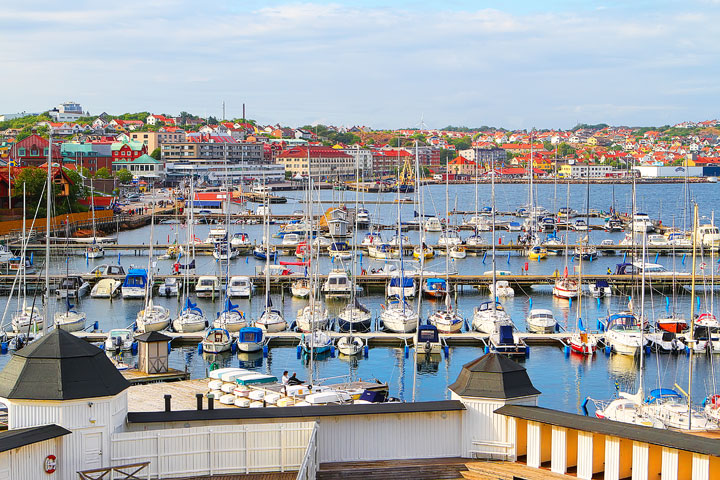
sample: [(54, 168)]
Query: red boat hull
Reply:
[(582, 349), (673, 327)]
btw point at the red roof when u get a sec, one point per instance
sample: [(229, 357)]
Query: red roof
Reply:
[(99, 202), (315, 152), (210, 196)]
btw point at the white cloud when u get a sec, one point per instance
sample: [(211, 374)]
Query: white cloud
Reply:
[(298, 62)]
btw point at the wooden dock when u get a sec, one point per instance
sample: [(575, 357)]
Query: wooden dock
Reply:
[(136, 377)]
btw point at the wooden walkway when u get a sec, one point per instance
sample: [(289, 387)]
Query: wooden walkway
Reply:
[(249, 476), (508, 471), (419, 469)]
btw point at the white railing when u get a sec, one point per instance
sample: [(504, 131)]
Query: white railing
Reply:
[(216, 450), (310, 465)]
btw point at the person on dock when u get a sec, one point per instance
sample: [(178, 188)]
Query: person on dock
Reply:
[(284, 379)]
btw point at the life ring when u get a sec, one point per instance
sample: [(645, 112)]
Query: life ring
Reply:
[(714, 401)]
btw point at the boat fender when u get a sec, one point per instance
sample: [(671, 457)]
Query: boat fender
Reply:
[(527, 352), (169, 347), (96, 325), (608, 350), (3, 347), (332, 351), (233, 347), (366, 351), (265, 351), (200, 348), (487, 349), (446, 349), (134, 348), (647, 349), (566, 350), (407, 351)]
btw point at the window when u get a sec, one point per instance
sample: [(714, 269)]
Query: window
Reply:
[(21, 151)]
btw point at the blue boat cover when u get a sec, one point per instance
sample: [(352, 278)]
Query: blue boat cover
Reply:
[(506, 335), (427, 333), (659, 393)]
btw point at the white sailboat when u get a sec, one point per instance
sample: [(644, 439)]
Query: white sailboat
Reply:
[(94, 250), (152, 317)]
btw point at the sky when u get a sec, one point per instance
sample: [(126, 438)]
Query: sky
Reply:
[(515, 64)]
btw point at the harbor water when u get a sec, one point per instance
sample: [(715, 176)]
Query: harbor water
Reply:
[(564, 381)]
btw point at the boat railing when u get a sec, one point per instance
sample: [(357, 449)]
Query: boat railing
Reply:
[(118, 472), (310, 465)]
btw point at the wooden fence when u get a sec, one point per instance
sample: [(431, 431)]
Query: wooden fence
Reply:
[(56, 223), (216, 450)]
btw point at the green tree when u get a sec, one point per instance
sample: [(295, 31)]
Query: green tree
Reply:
[(103, 173), (35, 179), (124, 175), (564, 150), (156, 154), (548, 146)]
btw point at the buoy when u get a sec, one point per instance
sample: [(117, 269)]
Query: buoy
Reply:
[(169, 347), (566, 350), (200, 347), (527, 352), (407, 351), (698, 301), (647, 349), (265, 351), (366, 351), (298, 351), (446, 350), (667, 304), (570, 303), (608, 350), (530, 300), (3, 347), (332, 351), (687, 350)]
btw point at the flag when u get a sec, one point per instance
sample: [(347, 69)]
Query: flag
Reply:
[(11, 163)]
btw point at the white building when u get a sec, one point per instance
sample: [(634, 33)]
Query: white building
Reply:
[(67, 112), (363, 158)]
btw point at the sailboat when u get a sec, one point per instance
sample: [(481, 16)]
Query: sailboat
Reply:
[(191, 317), (448, 320), (566, 287), (152, 317), (70, 320), (94, 250), (354, 317), (231, 319), (397, 316), (271, 320)]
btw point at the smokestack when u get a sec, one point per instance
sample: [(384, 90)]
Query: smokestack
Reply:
[(198, 398), (244, 118)]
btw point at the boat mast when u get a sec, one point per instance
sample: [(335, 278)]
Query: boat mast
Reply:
[(492, 208), (691, 341), (422, 261), (92, 206), (48, 194), (530, 193), (642, 320)]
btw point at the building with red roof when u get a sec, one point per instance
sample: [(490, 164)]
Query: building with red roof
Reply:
[(323, 161), (33, 151)]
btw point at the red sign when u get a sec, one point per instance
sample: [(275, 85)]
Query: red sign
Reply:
[(50, 464)]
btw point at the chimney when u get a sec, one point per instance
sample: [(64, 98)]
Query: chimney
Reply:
[(167, 402), (198, 398)]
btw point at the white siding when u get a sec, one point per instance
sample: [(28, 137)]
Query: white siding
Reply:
[(558, 462), (533, 444), (640, 461), (669, 464), (612, 458), (27, 463), (215, 450), (700, 467), (585, 455), (385, 437)]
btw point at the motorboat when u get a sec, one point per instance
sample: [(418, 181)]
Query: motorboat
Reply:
[(190, 319), (541, 320), (501, 288), (119, 339), (5, 253), (350, 345), (708, 235), (585, 252), (315, 343), (17, 264), (105, 270), (423, 252), (340, 250), (152, 318), (355, 317), (240, 241), (239, 286), (321, 242), (231, 319), (312, 317), (72, 286), (474, 240), (106, 288), (626, 409), (216, 340), (623, 334), (707, 320), (538, 252), (679, 239), (669, 407), (458, 252), (479, 222), (433, 224), (553, 245), (292, 240), (383, 251), (566, 287), (207, 286), (398, 317), (371, 238), (250, 339), (649, 269), (580, 225), (600, 289), (657, 240), (216, 235), (450, 237), (513, 227), (488, 315), (641, 223), (135, 283), (337, 284), (170, 287), (505, 341), (665, 342), (362, 218), (547, 224), (261, 252), (433, 288), (427, 340), (397, 239), (301, 288), (613, 224), (566, 213)]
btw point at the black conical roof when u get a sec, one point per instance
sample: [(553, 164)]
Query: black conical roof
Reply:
[(493, 376), (153, 337), (60, 366)]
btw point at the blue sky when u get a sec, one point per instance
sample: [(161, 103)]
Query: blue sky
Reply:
[(513, 64)]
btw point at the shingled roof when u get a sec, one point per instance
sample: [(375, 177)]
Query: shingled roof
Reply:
[(493, 376), (60, 366)]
